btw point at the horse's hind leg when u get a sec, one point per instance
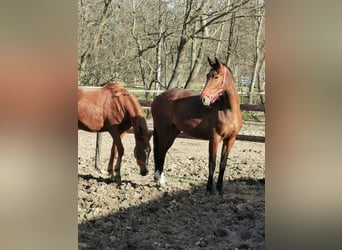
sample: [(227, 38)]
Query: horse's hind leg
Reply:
[(162, 141), (117, 148), (159, 159), (113, 154)]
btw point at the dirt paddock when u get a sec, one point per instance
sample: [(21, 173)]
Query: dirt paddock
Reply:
[(139, 215)]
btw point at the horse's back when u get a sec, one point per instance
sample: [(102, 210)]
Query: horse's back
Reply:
[(165, 104), (101, 108), (183, 109)]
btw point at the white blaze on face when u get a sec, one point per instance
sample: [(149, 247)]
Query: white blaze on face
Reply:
[(159, 178)]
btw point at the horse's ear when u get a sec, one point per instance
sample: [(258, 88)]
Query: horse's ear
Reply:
[(210, 62), (217, 62)]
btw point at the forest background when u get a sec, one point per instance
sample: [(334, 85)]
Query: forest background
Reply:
[(161, 44)]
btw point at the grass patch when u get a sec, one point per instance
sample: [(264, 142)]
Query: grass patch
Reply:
[(253, 116)]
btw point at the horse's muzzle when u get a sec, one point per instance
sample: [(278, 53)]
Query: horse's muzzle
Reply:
[(206, 100), (143, 171)]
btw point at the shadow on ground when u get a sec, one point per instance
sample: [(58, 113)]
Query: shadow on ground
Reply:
[(179, 219)]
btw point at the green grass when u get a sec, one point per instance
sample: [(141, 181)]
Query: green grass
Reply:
[(253, 116)]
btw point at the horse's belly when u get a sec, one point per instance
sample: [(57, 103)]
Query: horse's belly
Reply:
[(90, 121), (195, 128), (90, 127)]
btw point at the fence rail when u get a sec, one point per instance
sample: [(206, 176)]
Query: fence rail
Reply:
[(252, 138), (245, 107), (162, 90)]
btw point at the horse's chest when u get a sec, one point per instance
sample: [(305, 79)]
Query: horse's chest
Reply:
[(224, 125)]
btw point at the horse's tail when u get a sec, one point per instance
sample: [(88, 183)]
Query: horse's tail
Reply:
[(97, 150)]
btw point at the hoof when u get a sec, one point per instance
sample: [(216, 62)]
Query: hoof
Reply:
[(99, 171), (159, 178), (210, 192), (109, 172), (117, 179), (219, 189), (144, 173), (220, 192)]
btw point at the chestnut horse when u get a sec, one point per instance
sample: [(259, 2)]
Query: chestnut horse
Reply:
[(111, 108), (213, 115)]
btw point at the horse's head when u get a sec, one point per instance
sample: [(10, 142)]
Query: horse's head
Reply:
[(216, 79), (142, 150), (142, 155)]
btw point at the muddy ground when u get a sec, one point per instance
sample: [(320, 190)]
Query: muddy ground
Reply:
[(139, 215)]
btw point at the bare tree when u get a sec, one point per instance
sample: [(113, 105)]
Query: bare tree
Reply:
[(165, 43), (90, 53), (258, 56)]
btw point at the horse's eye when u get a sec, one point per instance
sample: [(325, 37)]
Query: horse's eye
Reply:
[(216, 77)]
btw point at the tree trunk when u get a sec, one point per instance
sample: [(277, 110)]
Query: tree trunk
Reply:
[(89, 54), (139, 46), (219, 42), (257, 64), (159, 49), (199, 58), (178, 67), (181, 48), (230, 40), (261, 84)]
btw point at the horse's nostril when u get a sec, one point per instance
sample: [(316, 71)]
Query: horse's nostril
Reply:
[(144, 172), (205, 101)]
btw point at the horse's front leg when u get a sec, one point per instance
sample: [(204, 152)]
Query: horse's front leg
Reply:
[(212, 164), (226, 147)]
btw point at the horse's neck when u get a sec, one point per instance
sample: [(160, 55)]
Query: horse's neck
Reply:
[(232, 97), (139, 126), (137, 119)]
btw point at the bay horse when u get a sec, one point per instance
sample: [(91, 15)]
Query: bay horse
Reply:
[(213, 115), (111, 108)]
